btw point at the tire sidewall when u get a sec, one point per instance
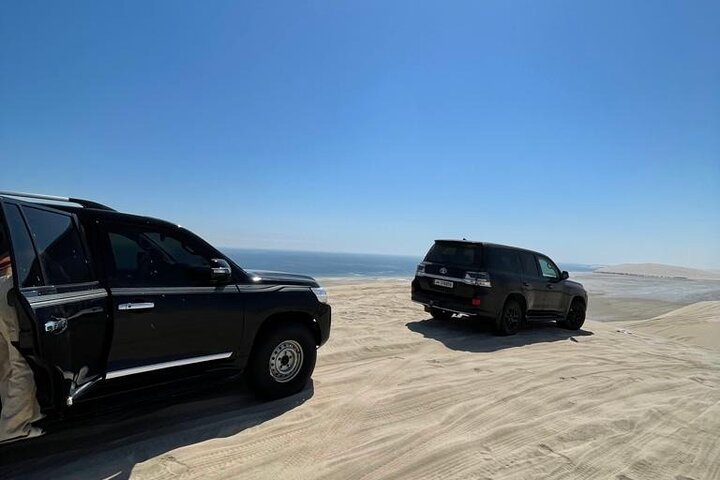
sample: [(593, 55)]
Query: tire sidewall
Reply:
[(501, 327), (575, 324), (258, 370)]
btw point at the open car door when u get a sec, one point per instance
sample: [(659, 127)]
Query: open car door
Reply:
[(64, 308)]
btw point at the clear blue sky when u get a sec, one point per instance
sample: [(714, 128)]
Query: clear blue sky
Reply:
[(588, 130)]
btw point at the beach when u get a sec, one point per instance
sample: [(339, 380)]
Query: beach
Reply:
[(396, 394)]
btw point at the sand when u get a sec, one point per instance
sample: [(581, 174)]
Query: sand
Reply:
[(398, 395), (659, 270), (697, 324)]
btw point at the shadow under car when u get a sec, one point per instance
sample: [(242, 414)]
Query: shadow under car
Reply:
[(474, 335), (106, 438)]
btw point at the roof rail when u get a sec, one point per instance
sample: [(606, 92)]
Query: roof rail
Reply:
[(53, 198)]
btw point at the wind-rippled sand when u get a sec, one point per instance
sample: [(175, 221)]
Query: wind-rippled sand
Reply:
[(397, 395)]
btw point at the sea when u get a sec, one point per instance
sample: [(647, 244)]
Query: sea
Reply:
[(327, 264)]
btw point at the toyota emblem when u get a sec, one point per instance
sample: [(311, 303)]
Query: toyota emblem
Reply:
[(443, 270)]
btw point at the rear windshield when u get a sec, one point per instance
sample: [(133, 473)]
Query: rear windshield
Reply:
[(455, 254)]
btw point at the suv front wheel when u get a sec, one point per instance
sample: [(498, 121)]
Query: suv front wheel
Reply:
[(575, 317), (282, 361)]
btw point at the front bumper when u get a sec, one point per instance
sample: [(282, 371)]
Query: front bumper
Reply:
[(323, 319)]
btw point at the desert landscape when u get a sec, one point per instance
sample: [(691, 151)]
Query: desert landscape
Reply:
[(635, 394)]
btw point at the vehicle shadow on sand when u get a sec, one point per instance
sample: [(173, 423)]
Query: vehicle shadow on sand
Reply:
[(106, 438), (472, 335)]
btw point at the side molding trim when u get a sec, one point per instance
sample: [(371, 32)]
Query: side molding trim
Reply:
[(159, 366)]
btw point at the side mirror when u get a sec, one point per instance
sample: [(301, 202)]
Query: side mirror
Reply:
[(564, 275), (220, 271)]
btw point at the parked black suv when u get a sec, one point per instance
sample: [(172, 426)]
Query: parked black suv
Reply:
[(505, 284), (104, 296)]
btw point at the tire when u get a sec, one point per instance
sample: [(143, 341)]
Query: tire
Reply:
[(282, 361), (510, 319), (438, 314), (575, 317)]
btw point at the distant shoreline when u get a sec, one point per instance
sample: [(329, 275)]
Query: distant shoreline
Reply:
[(645, 275)]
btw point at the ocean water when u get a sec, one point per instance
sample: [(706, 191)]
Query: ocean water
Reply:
[(322, 264)]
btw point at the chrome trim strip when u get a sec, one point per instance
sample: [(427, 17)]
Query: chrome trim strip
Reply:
[(159, 366), (230, 288), (53, 299), (441, 277)]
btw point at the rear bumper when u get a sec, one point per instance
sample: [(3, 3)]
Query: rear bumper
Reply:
[(431, 301)]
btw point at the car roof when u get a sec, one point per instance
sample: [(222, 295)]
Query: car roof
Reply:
[(86, 209), (83, 212), (488, 244)]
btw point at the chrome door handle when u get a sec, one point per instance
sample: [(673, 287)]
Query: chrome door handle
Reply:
[(136, 306), (56, 325)]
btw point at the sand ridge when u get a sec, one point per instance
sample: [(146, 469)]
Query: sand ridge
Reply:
[(697, 324), (659, 270)]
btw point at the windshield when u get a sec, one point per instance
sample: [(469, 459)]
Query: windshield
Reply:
[(450, 253)]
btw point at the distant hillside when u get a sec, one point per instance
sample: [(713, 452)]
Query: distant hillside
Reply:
[(659, 270)]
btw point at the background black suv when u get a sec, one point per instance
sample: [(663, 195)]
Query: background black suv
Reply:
[(505, 284), (106, 296)]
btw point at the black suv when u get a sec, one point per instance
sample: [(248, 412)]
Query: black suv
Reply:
[(505, 284), (104, 296)]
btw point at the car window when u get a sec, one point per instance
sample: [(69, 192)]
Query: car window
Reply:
[(529, 264), (26, 263), (454, 254), (503, 260), (152, 258), (547, 268), (59, 247)]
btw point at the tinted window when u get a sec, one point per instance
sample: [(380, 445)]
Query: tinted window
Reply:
[(26, 262), (547, 268), (59, 247), (156, 259), (503, 260), (454, 254), (529, 264)]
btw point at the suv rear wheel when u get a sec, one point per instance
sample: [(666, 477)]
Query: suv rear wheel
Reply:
[(575, 316), (510, 319), (438, 314), (282, 361)]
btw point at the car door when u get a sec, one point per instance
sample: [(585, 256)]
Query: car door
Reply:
[(554, 294), (57, 290), (505, 269), (167, 311), (534, 286)]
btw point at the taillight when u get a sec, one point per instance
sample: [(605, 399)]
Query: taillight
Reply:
[(420, 269), (480, 279), (475, 302)]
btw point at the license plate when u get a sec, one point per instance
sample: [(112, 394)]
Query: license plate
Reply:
[(443, 283)]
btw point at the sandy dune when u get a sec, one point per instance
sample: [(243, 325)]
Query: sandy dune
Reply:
[(659, 270), (397, 395), (696, 324)]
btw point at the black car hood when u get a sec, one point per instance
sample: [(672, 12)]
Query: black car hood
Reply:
[(281, 278)]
